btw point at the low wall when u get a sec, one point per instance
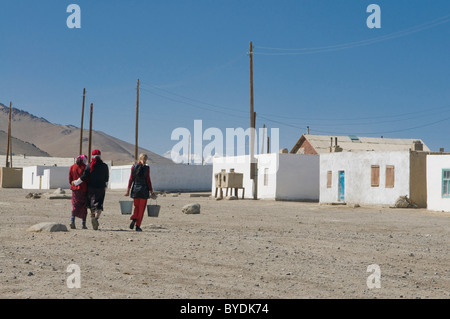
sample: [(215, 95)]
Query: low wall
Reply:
[(183, 178)]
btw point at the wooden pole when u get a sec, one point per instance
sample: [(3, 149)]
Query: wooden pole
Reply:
[(189, 151), (90, 132), (136, 147), (82, 118), (263, 139), (253, 168), (8, 140)]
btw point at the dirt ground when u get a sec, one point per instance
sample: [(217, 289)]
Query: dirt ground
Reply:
[(243, 249)]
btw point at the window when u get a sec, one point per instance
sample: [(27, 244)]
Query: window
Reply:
[(446, 183), (375, 176), (266, 176), (329, 179), (390, 176)]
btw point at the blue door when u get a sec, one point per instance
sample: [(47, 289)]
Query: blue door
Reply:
[(341, 195)]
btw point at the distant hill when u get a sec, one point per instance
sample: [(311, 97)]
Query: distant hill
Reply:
[(19, 146), (36, 136)]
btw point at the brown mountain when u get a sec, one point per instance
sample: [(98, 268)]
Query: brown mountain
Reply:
[(42, 137)]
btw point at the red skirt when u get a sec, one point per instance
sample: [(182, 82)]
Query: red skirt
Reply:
[(79, 201)]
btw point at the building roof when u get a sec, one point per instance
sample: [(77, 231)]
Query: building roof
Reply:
[(321, 144)]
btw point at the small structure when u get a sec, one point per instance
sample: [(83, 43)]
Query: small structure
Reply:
[(45, 177), (281, 176), (373, 178), (230, 181), (438, 182), (10, 177)]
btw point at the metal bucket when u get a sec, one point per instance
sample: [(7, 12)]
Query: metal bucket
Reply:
[(153, 210), (126, 207)]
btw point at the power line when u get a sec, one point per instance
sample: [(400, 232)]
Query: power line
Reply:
[(197, 101), (361, 133), (191, 104), (349, 45)]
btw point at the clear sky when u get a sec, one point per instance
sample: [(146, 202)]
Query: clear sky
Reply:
[(316, 64)]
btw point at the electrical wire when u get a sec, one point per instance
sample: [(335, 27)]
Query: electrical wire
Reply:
[(350, 45), (362, 133), (191, 104)]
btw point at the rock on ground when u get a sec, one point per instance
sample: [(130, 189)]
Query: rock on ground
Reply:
[(47, 227), (191, 209)]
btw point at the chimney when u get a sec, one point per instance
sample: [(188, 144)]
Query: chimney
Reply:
[(441, 150), (307, 130), (336, 147), (417, 146)]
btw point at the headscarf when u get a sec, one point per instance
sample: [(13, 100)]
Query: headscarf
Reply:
[(82, 159), (96, 154)]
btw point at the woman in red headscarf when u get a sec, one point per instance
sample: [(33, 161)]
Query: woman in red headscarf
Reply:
[(79, 193), (97, 176)]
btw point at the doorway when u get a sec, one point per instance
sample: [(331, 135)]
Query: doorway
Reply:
[(341, 190)]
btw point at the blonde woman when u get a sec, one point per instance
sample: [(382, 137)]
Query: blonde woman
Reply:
[(140, 186)]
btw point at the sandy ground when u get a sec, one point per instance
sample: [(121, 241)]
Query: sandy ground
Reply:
[(242, 249)]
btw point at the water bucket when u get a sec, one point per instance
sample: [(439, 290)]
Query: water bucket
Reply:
[(126, 207), (153, 210)]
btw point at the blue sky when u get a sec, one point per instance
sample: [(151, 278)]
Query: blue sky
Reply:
[(316, 64)]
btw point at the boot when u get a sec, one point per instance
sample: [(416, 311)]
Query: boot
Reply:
[(94, 219)]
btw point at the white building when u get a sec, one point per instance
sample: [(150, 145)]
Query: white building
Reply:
[(182, 178), (438, 182), (280, 176), (45, 177), (373, 178)]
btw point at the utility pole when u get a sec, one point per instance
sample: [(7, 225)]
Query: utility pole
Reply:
[(253, 167), (262, 140), (8, 142), (82, 118), (90, 132), (189, 151), (137, 124)]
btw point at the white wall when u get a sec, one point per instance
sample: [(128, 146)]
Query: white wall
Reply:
[(289, 176), (435, 165), (189, 178), (26, 161), (45, 177), (298, 177), (31, 177), (357, 167), (56, 177), (270, 163)]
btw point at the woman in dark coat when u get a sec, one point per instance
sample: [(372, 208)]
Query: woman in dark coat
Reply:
[(97, 176), (141, 188)]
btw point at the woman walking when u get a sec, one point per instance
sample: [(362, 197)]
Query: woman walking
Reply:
[(79, 193), (96, 175), (141, 187)]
